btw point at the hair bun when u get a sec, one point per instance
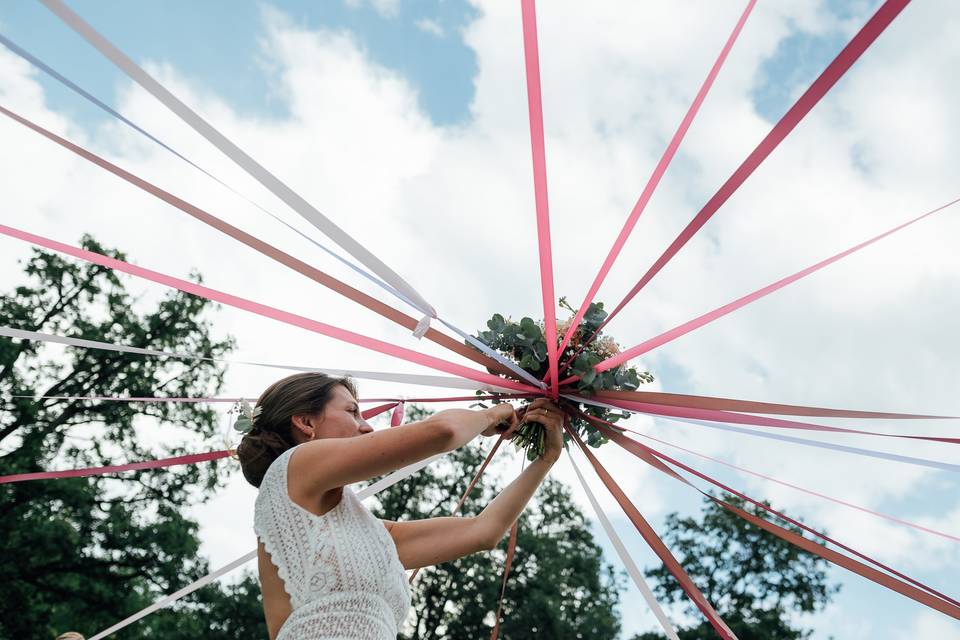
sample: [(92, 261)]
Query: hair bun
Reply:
[(267, 432)]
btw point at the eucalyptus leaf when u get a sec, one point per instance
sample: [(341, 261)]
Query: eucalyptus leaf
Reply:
[(243, 424), (589, 376)]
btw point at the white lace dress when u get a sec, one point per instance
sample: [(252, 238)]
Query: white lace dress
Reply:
[(340, 569)]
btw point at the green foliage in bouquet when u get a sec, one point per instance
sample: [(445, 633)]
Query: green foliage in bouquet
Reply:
[(525, 344)]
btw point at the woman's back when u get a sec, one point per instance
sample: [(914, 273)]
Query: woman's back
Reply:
[(340, 569)]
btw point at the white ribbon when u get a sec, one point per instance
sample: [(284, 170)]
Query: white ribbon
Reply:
[(232, 151), (495, 355), (422, 327), (625, 557), (10, 332), (452, 382), (363, 494)]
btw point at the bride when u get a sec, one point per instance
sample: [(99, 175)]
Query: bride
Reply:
[(328, 568)]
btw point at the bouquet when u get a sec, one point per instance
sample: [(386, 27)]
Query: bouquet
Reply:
[(525, 344)]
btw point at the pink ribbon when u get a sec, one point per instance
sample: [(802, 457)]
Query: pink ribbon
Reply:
[(132, 466), (375, 411), (651, 397), (397, 418), (719, 312), (510, 396), (267, 311), (730, 307), (658, 172), (834, 71), (531, 59)]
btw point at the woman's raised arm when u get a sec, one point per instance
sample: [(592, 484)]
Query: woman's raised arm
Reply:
[(421, 543), (321, 465)]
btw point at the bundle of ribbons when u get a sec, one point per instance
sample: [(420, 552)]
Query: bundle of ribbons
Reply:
[(500, 376)]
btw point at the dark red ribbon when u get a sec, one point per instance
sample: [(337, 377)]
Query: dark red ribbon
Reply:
[(921, 592), (511, 550), (131, 466), (753, 406), (713, 415), (654, 541)]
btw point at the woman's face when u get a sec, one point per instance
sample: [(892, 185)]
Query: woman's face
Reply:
[(341, 417)]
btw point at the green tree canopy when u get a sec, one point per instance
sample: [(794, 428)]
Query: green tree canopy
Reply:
[(753, 579), (83, 553)]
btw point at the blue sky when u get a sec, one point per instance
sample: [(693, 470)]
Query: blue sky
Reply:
[(223, 52), (217, 48)]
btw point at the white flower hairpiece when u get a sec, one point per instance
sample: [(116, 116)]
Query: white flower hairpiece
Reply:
[(248, 416)]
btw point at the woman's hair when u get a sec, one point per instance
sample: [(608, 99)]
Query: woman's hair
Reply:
[(271, 435)]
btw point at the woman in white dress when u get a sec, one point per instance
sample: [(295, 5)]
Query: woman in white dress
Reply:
[(328, 568)]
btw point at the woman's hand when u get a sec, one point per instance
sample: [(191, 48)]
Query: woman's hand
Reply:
[(503, 420), (548, 414)]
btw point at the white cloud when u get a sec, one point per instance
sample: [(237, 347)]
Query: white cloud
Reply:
[(430, 26), (385, 8), (451, 209), (931, 625)]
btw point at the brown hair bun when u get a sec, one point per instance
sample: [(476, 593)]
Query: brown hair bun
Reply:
[(299, 394)]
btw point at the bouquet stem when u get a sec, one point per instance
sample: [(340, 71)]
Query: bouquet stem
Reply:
[(530, 436)]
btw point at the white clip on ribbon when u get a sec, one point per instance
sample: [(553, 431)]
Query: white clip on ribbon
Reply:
[(246, 162), (422, 327)]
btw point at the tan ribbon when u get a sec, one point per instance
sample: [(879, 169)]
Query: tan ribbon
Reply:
[(752, 406), (268, 250), (235, 153)]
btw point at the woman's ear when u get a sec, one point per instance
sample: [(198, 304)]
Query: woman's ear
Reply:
[(303, 425)]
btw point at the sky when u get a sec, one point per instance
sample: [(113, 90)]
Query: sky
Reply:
[(406, 123)]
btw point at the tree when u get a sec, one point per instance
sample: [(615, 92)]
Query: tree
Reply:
[(752, 578), (559, 586), (82, 553)]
